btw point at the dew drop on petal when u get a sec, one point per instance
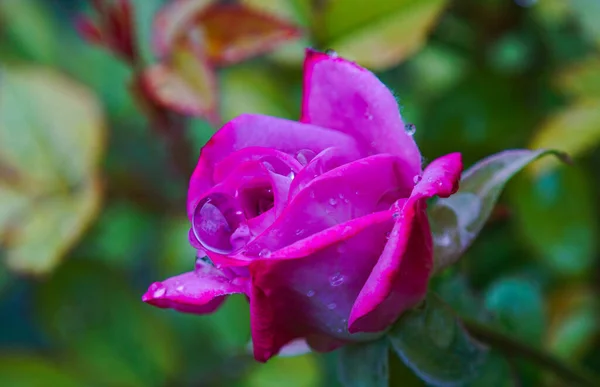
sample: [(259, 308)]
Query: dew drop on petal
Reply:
[(215, 220), (337, 279), (331, 53), (331, 306), (410, 129), (264, 253), (417, 179), (304, 156), (333, 201), (180, 288), (310, 293), (159, 290)]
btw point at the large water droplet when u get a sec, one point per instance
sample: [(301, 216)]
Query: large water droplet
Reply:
[(158, 290), (215, 220), (277, 166), (410, 129), (337, 279), (304, 156)]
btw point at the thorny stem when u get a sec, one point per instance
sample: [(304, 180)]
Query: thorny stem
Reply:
[(512, 347)]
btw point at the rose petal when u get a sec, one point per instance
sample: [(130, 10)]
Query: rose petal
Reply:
[(312, 296), (399, 279), (344, 193), (199, 292), (341, 95), (252, 130)]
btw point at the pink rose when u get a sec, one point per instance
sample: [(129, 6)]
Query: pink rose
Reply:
[(320, 223)]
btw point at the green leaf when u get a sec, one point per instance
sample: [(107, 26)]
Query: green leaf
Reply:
[(364, 365), (586, 13), (51, 140), (555, 212), (18, 370), (581, 79), (574, 130), (379, 33), (431, 341), (299, 371), (100, 324), (518, 306), (456, 221), (29, 26), (253, 89)]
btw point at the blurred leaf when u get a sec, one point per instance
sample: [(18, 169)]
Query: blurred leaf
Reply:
[(51, 140), (229, 33), (454, 289), (231, 323), (436, 68), (252, 89), (378, 34), (511, 54), (574, 130), (574, 322), (17, 370), (431, 341), (518, 307), (555, 212), (144, 11), (457, 220), (177, 255), (30, 28), (495, 372), (299, 371), (103, 327), (185, 83), (364, 364), (581, 79), (587, 12)]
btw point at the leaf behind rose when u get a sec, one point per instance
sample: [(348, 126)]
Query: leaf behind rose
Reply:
[(456, 221), (431, 341), (364, 365), (51, 140)]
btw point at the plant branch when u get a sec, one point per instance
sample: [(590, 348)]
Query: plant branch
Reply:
[(510, 346)]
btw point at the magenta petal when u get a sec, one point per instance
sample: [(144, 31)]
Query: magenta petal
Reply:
[(350, 191), (198, 292), (308, 289), (341, 95), (252, 130), (400, 277)]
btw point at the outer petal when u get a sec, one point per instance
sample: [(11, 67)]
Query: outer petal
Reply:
[(198, 292), (399, 279), (341, 95), (308, 289), (250, 130)]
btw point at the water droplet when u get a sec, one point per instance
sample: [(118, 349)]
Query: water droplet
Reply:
[(444, 239), (440, 183), (331, 306), (277, 166), (304, 156), (299, 231), (240, 237), (417, 179), (291, 175), (333, 201), (264, 253), (310, 293), (312, 194), (337, 279), (159, 290), (387, 235), (410, 129), (180, 288), (215, 220), (395, 215), (331, 53), (368, 116)]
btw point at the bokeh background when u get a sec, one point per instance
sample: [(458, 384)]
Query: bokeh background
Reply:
[(93, 177)]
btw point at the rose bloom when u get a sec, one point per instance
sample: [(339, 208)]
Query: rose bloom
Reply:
[(321, 223)]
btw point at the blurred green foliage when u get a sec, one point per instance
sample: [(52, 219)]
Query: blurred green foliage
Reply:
[(473, 76)]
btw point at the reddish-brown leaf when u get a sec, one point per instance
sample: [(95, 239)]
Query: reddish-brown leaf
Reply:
[(185, 83), (228, 33)]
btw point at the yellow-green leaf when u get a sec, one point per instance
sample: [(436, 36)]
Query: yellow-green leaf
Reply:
[(574, 130), (51, 139), (299, 371), (379, 34), (581, 79), (20, 370)]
